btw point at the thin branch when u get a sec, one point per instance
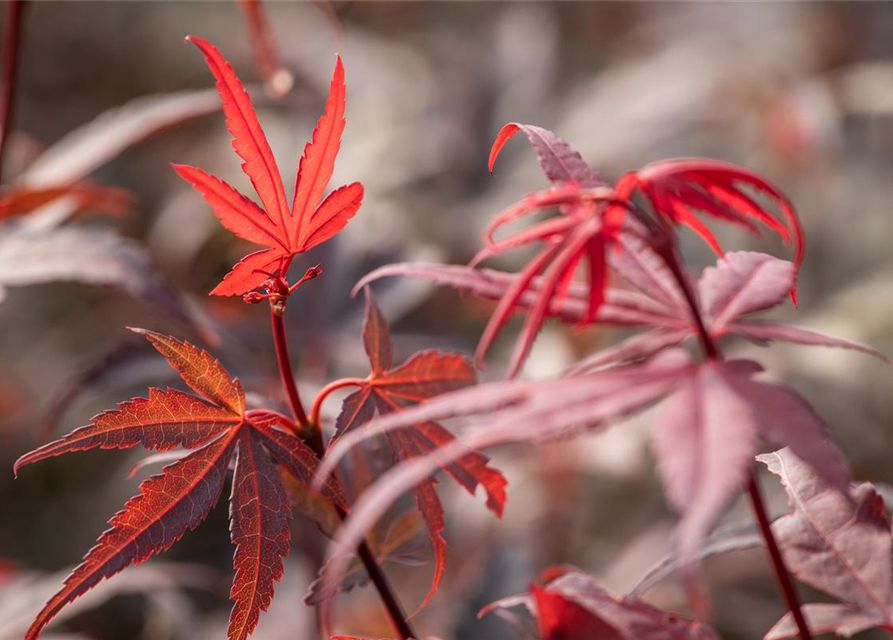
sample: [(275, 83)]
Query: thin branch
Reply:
[(311, 432), (782, 575), (15, 12)]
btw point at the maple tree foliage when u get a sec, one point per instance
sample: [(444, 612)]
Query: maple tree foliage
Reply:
[(594, 214), (389, 389), (217, 428), (285, 230), (572, 606), (837, 540)]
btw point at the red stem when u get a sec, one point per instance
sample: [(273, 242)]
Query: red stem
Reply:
[(15, 11), (666, 248), (312, 435), (782, 576), (329, 388)]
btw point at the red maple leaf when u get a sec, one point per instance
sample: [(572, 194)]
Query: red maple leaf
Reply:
[(387, 390), (287, 231), (593, 214), (217, 428)]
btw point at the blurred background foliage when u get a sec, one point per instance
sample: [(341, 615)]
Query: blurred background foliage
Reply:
[(801, 92)]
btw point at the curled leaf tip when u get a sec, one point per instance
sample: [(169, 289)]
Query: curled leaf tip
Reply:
[(504, 135)]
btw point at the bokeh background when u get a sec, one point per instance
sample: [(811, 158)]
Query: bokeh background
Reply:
[(801, 92)]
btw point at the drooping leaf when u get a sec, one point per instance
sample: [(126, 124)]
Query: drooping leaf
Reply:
[(286, 230), (217, 428), (706, 437), (88, 255), (678, 188), (87, 148), (837, 540), (557, 159)]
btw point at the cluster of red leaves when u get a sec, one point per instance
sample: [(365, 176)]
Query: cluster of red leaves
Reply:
[(287, 231), (218, 429), (390, 389), (594, 214)]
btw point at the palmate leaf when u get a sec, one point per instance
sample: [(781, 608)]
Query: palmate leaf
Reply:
[(286, 230), (838, 541), (217, 428), (706, 437), (497, 413), (742, 283), (574, 607), (388, 390)]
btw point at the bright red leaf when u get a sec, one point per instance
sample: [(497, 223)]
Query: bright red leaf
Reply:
[(287, 231), (216, 427)]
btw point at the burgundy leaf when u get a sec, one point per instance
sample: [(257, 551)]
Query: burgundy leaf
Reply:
[(768, 331)]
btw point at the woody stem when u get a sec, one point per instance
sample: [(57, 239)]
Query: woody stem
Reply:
[(666, 248), (311, 433)]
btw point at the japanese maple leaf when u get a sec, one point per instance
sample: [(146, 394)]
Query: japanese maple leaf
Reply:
[(594, 214), (574, 607), (679, 187), (838, 541), (742, 284), (389, 389), (706, 434), (217, 429), (584, 231), (286, 231)]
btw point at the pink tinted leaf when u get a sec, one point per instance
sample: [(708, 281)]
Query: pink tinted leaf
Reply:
[(838, 619), (558, 161), (249, 140), (90, 146), (637, 347), (704, 449), (741, 283), (620, 307), (89, 255), (626, 618), (838, 542), (783, 418), (768, 331), (640, 266)]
